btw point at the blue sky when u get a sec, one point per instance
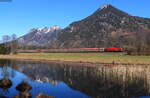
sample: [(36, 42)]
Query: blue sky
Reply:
[(19, 16)]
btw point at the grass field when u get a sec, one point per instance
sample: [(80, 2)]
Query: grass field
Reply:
[(81, 57)]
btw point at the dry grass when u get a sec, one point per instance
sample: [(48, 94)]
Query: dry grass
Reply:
[(82, 57)]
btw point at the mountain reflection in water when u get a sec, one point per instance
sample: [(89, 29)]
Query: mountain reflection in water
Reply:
[(71, 81)]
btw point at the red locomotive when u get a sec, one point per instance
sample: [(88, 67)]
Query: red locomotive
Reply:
[(113, 49)]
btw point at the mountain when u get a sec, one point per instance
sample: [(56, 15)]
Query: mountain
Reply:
[(39, 36), (107, 27)]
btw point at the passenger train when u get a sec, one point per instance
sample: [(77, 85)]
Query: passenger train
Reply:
[(71, 50)]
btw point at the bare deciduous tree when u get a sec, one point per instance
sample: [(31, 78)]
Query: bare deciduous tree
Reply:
[(14, 44)]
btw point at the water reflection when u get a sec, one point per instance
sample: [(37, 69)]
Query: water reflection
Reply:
[(23, 72), (71, 81)]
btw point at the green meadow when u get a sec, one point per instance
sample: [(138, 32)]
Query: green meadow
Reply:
[(82, 57)]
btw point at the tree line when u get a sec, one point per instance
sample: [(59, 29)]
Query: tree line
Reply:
[(139, 44), (9, 44)]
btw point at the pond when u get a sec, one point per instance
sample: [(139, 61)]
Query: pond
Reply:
[(76, 81)]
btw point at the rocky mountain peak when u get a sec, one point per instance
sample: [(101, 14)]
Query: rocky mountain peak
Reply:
[(39, 36), (49, 28), (110, 11), (44, 30), (105, 6), (107, 27), (56, 27)]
